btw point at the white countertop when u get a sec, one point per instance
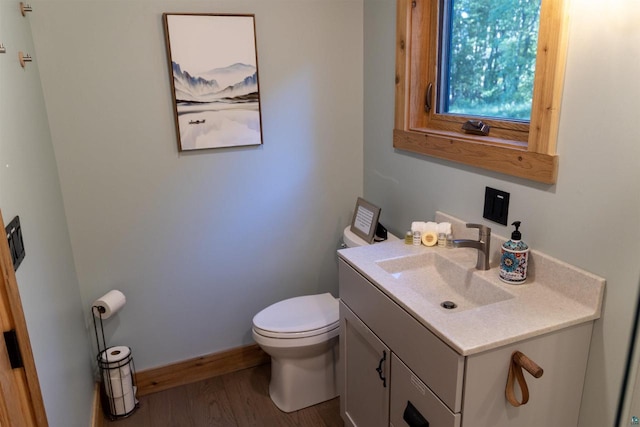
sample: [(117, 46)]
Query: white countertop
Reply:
[(555, 296)]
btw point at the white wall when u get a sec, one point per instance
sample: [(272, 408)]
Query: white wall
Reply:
[(200, 242), (29, 187), (589, 218)]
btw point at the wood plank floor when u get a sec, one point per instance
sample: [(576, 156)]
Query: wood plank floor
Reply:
[(236, 399)]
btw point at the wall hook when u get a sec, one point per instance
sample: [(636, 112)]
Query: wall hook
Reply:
[(2, 48), (24, 57), (24, 8)]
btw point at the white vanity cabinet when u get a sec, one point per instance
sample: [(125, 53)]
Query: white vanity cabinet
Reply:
[(393, 368)]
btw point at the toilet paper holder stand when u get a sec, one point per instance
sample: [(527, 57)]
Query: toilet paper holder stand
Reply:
[(117, 373)]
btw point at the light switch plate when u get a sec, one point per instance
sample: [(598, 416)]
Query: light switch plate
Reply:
[(496, 205), (16, 243)]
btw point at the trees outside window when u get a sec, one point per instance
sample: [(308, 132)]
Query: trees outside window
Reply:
[(488, 57)]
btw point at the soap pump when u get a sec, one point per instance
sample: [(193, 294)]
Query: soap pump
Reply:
[(514, 258)]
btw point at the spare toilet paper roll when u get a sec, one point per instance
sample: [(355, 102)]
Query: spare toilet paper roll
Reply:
[(113, 357), (116, 373), (124, 404), (118, 386), (109, 303)]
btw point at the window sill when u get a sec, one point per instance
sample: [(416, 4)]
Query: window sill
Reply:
[(483, 152)]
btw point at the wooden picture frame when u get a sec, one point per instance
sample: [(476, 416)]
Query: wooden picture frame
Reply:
[(213, 68), (365, 220)]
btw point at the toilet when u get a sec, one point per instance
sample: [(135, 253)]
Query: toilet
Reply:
[(301, 336)]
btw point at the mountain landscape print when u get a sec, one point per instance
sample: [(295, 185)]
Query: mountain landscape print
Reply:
[(214, 77)]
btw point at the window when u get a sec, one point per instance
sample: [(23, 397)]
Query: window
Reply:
[(461, 60), (487, 53)]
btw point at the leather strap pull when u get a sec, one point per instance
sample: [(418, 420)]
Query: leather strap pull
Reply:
[(519, 361)]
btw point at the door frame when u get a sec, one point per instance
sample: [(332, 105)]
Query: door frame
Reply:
[(32, 404)]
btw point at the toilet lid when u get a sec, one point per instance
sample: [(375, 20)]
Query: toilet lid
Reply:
[(299, 314), (351, 240)]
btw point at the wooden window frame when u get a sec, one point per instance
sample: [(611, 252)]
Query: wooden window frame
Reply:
[(522, 150)]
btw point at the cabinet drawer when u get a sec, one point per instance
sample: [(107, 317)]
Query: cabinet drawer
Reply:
[(406, 387), (432, 360)]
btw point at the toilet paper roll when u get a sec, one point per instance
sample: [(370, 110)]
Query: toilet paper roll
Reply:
[(118, 386), (120, 372), (114, 357), (109, 304), (124, 404)]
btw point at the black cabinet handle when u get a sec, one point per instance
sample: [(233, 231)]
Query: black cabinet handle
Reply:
[(413, 417), (379, 369)]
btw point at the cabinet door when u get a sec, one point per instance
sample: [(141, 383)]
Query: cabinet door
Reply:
[(364, 374)]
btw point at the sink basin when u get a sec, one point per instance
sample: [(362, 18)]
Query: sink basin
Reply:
[(443, 282)]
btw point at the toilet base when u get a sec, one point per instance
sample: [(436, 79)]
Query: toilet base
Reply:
[(307, 379)]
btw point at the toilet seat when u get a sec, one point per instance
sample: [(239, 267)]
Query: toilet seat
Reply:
[(299, 317), (303, 334)]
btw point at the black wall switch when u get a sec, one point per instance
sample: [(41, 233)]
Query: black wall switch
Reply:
[(496, 205), (16, 244)]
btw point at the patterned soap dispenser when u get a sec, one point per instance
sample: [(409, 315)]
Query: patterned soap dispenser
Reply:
[(514, 258)]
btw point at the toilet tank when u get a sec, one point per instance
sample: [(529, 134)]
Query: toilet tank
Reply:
[(351, 240)]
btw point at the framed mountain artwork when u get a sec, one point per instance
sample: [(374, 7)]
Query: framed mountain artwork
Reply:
[(213, 66)]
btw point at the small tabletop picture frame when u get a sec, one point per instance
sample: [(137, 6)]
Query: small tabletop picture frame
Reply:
[(365, 220)]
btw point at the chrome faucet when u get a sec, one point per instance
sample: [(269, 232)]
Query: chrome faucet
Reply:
[(482, 245)]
